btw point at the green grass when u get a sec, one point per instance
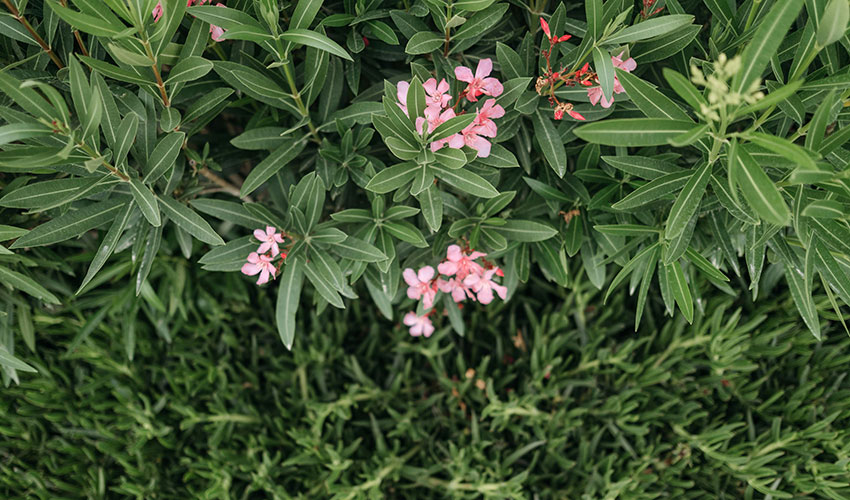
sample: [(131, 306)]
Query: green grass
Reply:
[(743, 402)]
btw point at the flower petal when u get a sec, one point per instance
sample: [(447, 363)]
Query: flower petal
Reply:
[(464, 74)]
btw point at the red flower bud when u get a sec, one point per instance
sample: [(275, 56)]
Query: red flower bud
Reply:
[(564, 38), (545, 26), (559, 114), (365, 41)]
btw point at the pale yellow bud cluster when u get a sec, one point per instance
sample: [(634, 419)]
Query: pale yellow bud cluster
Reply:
[(720, 96)]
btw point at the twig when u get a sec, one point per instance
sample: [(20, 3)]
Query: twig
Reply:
[(35, 35), (77, 33), (225, 186)]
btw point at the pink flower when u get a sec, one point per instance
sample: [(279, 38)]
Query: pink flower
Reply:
[(157, 12), (419, 325), (483, 285), (479, 84), (595, 94), (470, 137), (401, 93), (459, 263), (456, 288), (419, 285), (436, 95), (216, 32), (261, 264), (435, 119), (269, 239), (483, 122)]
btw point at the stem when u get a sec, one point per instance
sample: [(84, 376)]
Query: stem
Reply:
[(159, 83), (448, 31), (752, 15), (35, 35), (77, 33), (225, 186), (89, 151), (296, 96)]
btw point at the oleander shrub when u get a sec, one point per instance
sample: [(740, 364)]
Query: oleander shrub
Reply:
[(670, 147), (549, 395)]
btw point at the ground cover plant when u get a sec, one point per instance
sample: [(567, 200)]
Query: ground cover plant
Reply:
[(612, 179), (549, 394)]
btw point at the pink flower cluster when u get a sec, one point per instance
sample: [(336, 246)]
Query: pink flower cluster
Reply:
[(262, 261), (595, 93), (216, 32), (438, 108), (461, 277)]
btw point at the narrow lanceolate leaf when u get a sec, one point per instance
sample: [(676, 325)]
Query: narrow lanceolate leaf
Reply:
[(278, 159), (604, 70), (125, 136), (9, 361), (691, 136), (766, 41), (551, 143), (27, 285), (648, 99), (227, 211), (706, 267), (431, 204), (632, 131), (392, 178), (680, 289), (465, 181), (288, 296), (356, 249), (21, 131), (146, 201), (797, 284), (650, 28), (424, 42), (654, 190), (687, 202), (526, 230), (315, 40), (107, 246), (163, 156), (72, 224), (825, 209), (760, 191), (26, 98), (786, 148), (642, 166), (189, 221), (593, 13), (189, 69), (833, 24), (322, 285), (832, 272)]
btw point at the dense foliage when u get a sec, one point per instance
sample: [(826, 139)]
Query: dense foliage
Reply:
[(539, 399), (658, 142)]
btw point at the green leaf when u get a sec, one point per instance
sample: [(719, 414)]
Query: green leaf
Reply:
[(238, 25), (825, 209), (681, 291), (270, 165), (797, 285), (107, 246), (704, 265), (509, 61), (761, 193), (357, 249), (71, 224), (189, 221), (86, 23), (424, 42), (650, 101), (632, 131), (27, 285), (315, 40), (832, 272), (163, 156), (304, 13), (595, 21), (256, 85), (499, 157), (526, 230), (786, 148), (383, 31), (189, 69), (604, 67), (551, 143), (833, 23), (691, 136), (146, 201), (26, 98), (641, 166), (392, 178), (818, 124), (129, 57), (451, 158), (653, 190), (766, 41), (650, 28), (227, 211), (451, 127), (22, 131), (11, 232), (288, 297), (11, 362), (112, 71), (480, 23), (626, 229), (431, 204), (465, 181), (322, 285), (405, 231)]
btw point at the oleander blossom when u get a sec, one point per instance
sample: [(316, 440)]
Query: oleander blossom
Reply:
[(438, 110), (479, 83), (596, 95), (463, 274), (259, 264), (419, 325), (268, 258)]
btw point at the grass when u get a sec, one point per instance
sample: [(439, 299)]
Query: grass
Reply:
[(550, 395)]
